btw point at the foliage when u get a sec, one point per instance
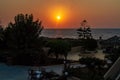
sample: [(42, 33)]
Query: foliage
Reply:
[(23, 40), (24, 33), (30, 57), (1, 43), (94, 69), (89, 44), (1, 37), (59, 47), (84, 31), (85, 74), (92, 62), (74, 42), (85, 36)]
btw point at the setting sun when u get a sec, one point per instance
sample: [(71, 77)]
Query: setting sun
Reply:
[(58, 17)]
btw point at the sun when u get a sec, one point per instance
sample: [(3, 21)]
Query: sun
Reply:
[(58, 17)]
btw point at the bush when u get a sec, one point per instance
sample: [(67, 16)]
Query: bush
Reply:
[(92, 62), (89, 44)]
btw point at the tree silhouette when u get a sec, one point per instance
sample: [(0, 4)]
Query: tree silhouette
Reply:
[(84, 31), (1, 32), (24, 33), (92, 62), (23, 39), (89, 44), (1, 36), (85, 36), (59, 47), (95, 66)]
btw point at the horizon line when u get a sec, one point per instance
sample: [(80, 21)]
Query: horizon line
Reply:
[(78, 28)]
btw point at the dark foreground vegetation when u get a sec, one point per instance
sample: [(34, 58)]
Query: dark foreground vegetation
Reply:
[(21, 44), (20, 41)]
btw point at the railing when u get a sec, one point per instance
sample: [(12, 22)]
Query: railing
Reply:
[(114, 71)]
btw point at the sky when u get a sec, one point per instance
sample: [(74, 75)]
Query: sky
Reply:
[(98, 13)]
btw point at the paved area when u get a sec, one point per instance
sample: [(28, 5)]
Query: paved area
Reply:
[(73, 78)]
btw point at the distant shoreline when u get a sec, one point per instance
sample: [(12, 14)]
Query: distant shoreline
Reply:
[(105, 33), (76, 28)]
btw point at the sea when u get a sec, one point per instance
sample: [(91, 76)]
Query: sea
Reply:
[(72, 33)]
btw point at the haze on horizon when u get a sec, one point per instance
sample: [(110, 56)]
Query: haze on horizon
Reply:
[(98, 13)]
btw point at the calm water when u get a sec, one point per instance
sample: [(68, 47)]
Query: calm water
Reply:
[(72, 33)]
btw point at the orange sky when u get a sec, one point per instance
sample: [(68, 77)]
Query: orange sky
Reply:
[(98, 13)]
